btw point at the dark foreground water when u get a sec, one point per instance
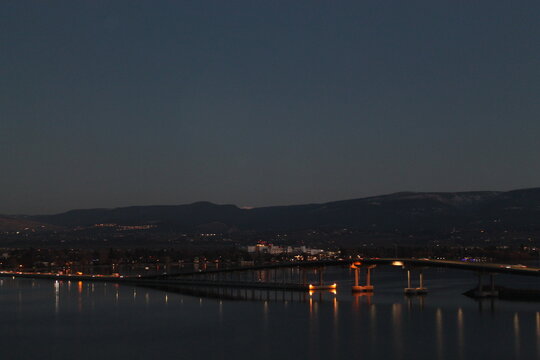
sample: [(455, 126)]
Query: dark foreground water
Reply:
[(43, 319)]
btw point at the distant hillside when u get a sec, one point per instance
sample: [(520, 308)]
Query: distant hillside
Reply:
[(178, 216), (406, 211), (9, 223)]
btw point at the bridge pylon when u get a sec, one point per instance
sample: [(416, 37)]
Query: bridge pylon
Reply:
[(420, 290), (357, 266), (481, 291), (321, 285)]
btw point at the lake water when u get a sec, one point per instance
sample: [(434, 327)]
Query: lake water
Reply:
[(42, 319)]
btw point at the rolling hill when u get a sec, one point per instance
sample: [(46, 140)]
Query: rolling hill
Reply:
[(407, 211)]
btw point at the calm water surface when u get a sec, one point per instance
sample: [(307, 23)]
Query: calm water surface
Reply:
[(43, 319)]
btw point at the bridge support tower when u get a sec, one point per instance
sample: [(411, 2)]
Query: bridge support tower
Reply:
[(321, 285), (357, 267), (483, 291), (420, 290)]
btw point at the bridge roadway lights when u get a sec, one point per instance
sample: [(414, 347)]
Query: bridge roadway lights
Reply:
[(421, 290), (361, 288)]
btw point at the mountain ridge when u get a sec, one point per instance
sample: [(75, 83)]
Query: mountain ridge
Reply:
[(407, 211)]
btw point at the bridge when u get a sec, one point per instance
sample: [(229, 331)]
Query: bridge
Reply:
[(422, 262), (293, 276)]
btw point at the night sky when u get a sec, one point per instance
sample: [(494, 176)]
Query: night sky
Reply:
[(118, 103)]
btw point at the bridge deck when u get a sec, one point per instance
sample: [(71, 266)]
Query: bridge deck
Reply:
[(136, 280), (179, 278), (463, 265)]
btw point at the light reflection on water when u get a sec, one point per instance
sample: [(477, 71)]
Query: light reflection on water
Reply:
[(439, 332), (398, 331), (136, 322), (516, 335), (461, 334), (538, 332)]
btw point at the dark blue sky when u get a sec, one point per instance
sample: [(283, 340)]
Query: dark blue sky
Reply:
[(116, 103)]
